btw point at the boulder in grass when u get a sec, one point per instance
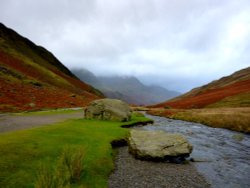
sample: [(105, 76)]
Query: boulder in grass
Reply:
[(108, 109), (158, 145)]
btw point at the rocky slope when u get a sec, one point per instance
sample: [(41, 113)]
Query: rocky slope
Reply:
[(229, 91), (32, 78), (129, 88)]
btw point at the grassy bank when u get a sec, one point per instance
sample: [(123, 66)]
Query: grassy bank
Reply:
[(236, 119), (30, 157)]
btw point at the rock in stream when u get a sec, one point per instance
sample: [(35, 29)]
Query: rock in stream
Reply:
[(158, 145)]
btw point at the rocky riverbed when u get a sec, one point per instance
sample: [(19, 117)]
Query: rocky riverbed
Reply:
[(134, 173), (222, 156)]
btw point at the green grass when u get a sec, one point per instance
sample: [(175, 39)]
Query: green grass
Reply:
[(23, 152)]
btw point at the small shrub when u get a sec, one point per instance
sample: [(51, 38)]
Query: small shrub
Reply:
[(44, 177), (72, 160)]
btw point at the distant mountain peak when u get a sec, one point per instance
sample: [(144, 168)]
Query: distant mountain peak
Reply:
[(127, 88)]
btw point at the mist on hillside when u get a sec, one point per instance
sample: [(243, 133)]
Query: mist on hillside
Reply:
[(127, 88)]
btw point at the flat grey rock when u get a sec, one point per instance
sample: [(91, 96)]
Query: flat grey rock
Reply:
[(158, 145)]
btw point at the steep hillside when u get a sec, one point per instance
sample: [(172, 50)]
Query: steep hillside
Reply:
[(129, 89), (230, 91), (32, 78)]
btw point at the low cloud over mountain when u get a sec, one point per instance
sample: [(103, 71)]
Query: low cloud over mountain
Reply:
[(127, 88)]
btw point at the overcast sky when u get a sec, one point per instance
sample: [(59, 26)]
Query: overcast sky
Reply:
[(179, 44)]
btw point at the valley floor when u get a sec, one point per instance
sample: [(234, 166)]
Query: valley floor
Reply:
[(25, 151)]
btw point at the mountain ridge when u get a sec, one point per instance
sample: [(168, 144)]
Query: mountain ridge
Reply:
[(32, 78)]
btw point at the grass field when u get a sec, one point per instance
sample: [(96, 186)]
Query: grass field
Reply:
[(28, 155), (237, 119)]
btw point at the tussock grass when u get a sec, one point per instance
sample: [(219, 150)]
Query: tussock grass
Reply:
[(45, 177), (23, 152), (237, 119), (71, 161), (68, 170)]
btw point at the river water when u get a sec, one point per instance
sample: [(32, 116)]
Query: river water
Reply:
[(221, 156)]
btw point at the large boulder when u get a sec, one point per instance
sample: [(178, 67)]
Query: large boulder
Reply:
[(158, 145), (108, 109)]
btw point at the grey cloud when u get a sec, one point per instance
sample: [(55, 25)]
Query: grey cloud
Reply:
[(178, 44)]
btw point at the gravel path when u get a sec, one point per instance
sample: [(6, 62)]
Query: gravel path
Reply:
[(15, 122), (133, 173)]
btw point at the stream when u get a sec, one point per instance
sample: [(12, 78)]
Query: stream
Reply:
[(221, 156)]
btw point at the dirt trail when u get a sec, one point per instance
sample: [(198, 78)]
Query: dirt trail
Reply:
[(10, 122)]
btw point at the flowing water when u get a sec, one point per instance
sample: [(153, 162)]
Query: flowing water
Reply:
[(221, 156)]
